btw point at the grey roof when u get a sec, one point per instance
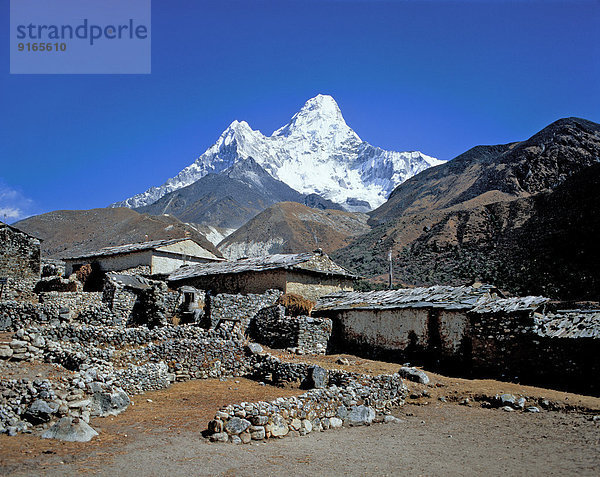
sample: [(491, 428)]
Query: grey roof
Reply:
[(520, 303), (128, 248), (453, 298), (569, 324), (315, 262), (130, 281)]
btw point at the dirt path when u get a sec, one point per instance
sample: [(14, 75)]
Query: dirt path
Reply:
[(439, 439)]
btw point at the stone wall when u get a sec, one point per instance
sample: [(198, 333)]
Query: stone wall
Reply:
[(239, 307), (357, 402), (511, 346), (303, 334), (17, 314), (119, 299), (172, 302), (76, 302), (313, 286), (239, 283), (202, 358), (20, 289), (20, 263)]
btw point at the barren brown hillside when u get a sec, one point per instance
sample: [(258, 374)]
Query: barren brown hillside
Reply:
[(66, 232), (289, 227)]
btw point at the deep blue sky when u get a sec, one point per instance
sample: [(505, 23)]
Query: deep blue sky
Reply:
[(439, 77)]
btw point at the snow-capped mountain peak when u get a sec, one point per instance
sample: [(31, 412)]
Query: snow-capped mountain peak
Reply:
[(316, 152), (319, 118)]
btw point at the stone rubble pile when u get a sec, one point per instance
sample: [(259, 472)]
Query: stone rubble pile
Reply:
[(27, 404)]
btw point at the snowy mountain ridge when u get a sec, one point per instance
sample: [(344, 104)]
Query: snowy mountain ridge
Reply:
[(316, 152)]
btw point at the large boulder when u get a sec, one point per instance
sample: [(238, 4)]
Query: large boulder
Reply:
[(40, 411), (413, 374), (360, 416), (109, 403), (70, 429), (317, 378)]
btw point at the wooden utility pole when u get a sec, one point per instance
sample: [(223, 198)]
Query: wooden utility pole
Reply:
[(391, 269)]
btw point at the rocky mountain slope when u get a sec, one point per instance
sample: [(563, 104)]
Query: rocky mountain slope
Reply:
[(289, 227), (487, 174), (69, 232), (315, 153), (228, 199), (523, 216)]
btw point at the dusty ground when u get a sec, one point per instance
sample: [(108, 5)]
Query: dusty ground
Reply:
[(161, 434)]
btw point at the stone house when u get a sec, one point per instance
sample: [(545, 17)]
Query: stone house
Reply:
[(311, 275), (473, 331), (425, 323), (20, 262), (158, 257)]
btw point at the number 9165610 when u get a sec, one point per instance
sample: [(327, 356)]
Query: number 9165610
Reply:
[(42, 46)]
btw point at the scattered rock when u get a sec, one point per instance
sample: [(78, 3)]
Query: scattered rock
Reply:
[(392, 420), (40, 411), (255, 348), (71, 430), (414, 374), (360, 416), (109, 403)]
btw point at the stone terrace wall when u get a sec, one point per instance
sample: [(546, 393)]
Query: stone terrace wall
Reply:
[(202, 358), (302, 334), (76, 302), (17, 314), (356, 403), (240, 307)]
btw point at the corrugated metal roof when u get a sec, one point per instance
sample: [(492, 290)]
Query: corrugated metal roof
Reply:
[(569, 324), (451, 298), (310, 261), (129, 248)]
